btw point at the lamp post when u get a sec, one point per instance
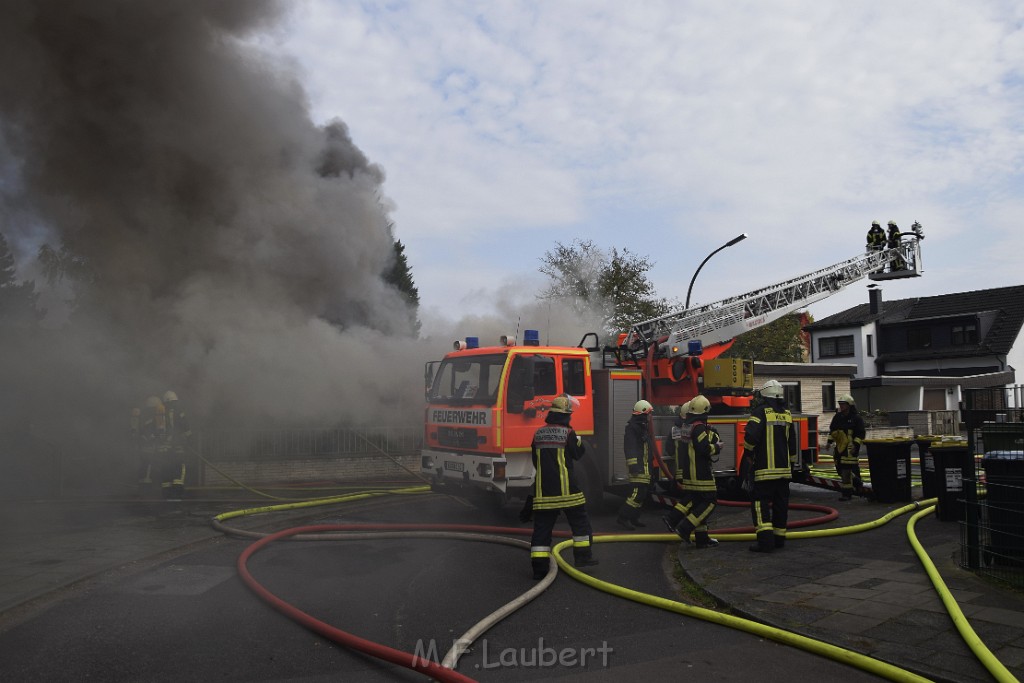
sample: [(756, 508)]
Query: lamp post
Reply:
[(731, 242)]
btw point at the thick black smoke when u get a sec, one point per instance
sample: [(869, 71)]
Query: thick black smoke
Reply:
[(233, 248)]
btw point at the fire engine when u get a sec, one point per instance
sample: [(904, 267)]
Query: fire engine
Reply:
[(484, 402)]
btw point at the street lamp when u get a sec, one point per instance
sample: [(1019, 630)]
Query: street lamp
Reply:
[(731, 242)]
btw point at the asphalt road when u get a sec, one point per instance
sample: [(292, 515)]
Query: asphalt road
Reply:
[(187, 616)]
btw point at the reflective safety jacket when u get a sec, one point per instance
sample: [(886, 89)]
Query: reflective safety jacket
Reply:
[(848, 432), (555, 447), (696, 454), (638, 449), (771, 437)]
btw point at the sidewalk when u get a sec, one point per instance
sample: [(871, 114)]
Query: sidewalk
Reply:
[(867, 592), (48, 545)]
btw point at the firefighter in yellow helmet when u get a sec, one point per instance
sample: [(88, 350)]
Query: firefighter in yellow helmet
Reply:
[(876, 238), (179, 434), (639, 451), (771, 452), (555, 448), (893, 240), (696, 453), (847, 432)]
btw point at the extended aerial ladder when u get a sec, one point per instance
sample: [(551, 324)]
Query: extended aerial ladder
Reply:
[(672, 347)]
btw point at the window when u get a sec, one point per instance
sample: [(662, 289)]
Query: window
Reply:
[(828, 396), (791, 392), (919, 338), (834, 347), (544, 376), (965, 334), (870, 347), (573, 378)]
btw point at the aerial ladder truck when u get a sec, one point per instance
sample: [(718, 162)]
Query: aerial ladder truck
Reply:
[(484, 403)]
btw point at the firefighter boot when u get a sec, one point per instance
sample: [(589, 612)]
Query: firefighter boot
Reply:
[(583, 559), (780, 541), (624, 523), (765, 543), (540, 567), (703, 540)]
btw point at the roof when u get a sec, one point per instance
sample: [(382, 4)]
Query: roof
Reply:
[(1008, 302)]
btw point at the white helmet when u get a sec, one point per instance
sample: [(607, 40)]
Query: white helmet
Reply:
[(699, 406), (846, 398), (772, 389), (170, 396), (684, 409), (642, 407)]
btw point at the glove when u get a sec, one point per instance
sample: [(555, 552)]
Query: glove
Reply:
[(799, 475), (526, 514)]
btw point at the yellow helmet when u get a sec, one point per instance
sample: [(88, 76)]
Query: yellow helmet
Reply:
[(170, 396), (846, 398), (772, 389), (153, 402), (642, 407), (564, 404), (699, 406), (684, 409)]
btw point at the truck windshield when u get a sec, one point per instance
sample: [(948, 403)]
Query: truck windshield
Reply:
[(468, 380)]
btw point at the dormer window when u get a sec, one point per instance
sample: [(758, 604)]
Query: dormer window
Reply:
[(964, 335)]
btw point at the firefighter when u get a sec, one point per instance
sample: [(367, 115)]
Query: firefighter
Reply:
[(671, 459), (135, 443), (639, 450), (697, 450), (876, 238), (179, 433), (771, 454), (555, 448), (893, 241), (847, 432), (152, 435)]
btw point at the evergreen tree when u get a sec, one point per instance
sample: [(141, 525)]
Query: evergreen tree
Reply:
[(399, 276)]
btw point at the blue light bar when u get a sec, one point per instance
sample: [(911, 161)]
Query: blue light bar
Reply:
[(694, 347), (531, 338), (472, 342)]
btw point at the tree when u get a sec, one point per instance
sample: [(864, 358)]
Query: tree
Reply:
[(612, 283), (17, 301), (399, 276), (781, 341)]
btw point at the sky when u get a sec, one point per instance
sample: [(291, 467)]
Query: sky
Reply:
[(668, 128), (234, 172)]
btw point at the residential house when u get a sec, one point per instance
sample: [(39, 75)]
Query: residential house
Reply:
[(914, 357)]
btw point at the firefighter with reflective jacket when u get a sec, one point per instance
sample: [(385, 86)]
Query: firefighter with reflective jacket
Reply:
[(697, 449), (893, 240), (152, 434), (771, 455), (179, 433), (876, 238), (847, 432), (639, 450), (555, 448)]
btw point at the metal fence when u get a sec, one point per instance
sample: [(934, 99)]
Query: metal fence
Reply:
[(272, 445), (992, 531)]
